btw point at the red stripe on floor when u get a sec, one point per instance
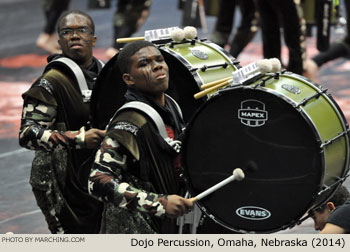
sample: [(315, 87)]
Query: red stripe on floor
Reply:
[(24, 60)]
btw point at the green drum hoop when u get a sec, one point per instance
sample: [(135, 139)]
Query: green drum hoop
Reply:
[(192, 64), (323, 114)]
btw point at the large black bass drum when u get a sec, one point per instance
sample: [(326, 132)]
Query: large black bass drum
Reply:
[(286, 133), (191, 64)]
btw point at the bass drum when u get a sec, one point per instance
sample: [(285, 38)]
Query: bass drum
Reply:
[(286, 133), (191, 64)]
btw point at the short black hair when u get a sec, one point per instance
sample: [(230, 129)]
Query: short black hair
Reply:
[(338, 198), (124, 57), (66, 13)]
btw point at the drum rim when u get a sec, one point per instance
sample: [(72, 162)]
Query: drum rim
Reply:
[(307, 119), (233, 62), (330, 100), (337, 110), (185, 62), (229, 57), (345, 125)]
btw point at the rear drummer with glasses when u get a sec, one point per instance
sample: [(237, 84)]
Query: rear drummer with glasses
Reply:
[(55, 124)]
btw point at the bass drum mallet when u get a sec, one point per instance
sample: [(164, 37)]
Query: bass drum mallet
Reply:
[(237, 175)]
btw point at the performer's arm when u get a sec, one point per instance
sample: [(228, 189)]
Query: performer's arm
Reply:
[(36, 129), (332, 229), (106, 184)]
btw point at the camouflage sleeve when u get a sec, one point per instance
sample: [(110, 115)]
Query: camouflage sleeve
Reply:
[(36, 130), (105, 182)]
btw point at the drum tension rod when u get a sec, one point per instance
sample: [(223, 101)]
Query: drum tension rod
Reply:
[(192, 41), (341, 134), (306, 100), (262, 82), (205, 67), (299, 222), (326, 188)]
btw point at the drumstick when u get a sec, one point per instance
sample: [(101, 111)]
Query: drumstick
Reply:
[(243, 74), (208, 90), (128, 40), (237, 174), (213, 83), (157, 34)]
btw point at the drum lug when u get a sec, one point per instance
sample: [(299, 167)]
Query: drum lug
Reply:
[(192, 42), (276, 76), (329, 141), (205, 67), (325, 188), (306, 100), (263, 81)]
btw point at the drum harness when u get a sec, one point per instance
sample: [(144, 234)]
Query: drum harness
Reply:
[(192, 217), (158, 121), (77, 72)]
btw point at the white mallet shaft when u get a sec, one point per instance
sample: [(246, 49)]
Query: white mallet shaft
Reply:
[(237, 174)]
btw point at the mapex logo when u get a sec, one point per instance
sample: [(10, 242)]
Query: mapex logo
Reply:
[(252, 113), (253, 213)]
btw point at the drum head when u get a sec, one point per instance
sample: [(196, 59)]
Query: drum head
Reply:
[(107, 94), (271, 141)]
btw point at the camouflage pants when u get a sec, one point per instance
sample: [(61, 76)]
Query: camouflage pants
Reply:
[(122, 221), (46, 181), (49, 212)]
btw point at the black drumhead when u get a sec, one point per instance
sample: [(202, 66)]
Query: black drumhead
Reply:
[(107, 94), (271, 141)]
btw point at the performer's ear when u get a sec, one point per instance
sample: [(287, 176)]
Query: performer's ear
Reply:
[(330, 206), (128, 79)]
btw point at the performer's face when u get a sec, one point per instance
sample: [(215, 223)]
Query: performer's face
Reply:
[(148, 71), (320, 219), (76, 38)]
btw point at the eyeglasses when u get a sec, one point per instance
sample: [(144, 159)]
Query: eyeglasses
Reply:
[(70, 31)]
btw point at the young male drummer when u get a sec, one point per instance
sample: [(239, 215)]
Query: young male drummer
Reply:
[(333, 217), (135, 171)]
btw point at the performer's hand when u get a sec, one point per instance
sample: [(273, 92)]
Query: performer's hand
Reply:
[(93, 137), (177, 206)]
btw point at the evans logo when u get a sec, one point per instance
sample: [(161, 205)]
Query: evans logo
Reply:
[(253, 213)]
